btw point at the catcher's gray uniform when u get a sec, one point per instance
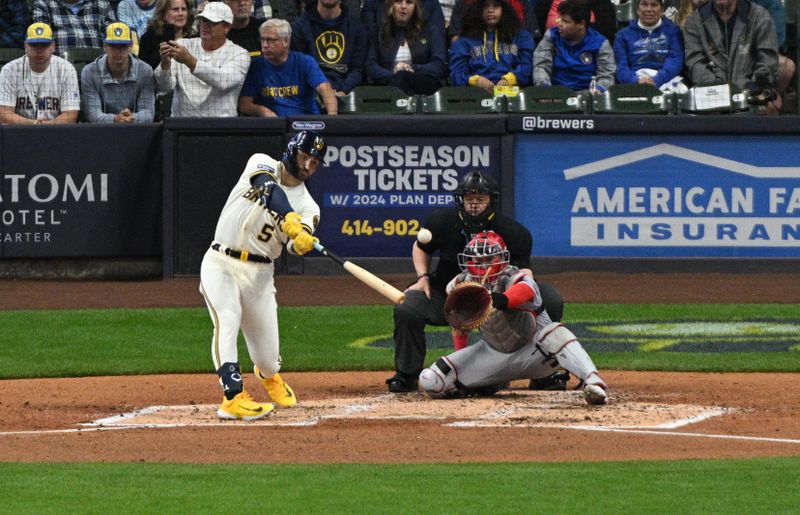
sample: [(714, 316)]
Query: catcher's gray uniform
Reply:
[(482, 367)]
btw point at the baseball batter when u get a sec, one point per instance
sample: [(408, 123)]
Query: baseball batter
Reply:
[(269, 207), (518, 341)]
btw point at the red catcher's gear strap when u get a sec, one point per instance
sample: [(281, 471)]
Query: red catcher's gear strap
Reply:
[(519, 294)]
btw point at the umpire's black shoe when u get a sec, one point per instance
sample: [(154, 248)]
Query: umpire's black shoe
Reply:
[(554, 382), (401, 383)]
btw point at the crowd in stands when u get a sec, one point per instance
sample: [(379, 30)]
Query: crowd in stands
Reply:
[(264, 58)]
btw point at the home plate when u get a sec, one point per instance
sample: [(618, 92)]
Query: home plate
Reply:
[(523, 408)]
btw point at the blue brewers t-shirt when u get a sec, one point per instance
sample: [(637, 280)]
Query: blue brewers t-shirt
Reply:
[(287, 89)]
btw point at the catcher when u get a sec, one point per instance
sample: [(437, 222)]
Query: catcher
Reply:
[(518, 339)]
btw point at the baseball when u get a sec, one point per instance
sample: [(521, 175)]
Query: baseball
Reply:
[(424, 235)]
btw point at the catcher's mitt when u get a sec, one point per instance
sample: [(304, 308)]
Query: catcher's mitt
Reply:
[(468, 306)]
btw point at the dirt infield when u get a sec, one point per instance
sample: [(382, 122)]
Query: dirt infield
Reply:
[(349, 417)]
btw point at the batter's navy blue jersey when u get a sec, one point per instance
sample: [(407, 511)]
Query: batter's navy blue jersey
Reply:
[(450, 238)]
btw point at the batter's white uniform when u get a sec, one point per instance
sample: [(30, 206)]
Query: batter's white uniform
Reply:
[(240, 294)]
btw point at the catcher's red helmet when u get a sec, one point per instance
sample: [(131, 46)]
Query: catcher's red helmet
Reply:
[(485, 256)]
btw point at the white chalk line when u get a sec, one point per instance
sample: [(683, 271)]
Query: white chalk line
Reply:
[(114, 423)]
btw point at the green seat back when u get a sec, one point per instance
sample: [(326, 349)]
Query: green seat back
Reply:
[(461, 100), (633, 99), (547, 99), (376, 100)]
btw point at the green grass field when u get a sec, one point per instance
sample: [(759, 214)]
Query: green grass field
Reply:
[(103, 342)]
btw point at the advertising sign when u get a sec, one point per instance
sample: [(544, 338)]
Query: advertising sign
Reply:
[(78, 192), (660, 196), (376, 192)]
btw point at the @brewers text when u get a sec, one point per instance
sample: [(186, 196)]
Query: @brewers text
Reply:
[(387, 227)]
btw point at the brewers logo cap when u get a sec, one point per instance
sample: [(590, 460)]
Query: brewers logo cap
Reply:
[(118, 34), (39, 33), (216, 12)]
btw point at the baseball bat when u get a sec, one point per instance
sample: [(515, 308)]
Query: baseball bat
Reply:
[(368, 278)]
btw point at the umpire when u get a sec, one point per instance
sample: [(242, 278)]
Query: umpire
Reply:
[(452, 228)]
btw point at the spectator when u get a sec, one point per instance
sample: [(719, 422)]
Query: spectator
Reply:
[(650, 50), (603, 17), (118, 87), (14, 19), (523, 8), (573, 53), (136, 14), (172, 20), (283, 82), (244, 29), (492, 49), (336, 40), (76, 23), (372, 14), (39, 88), (290, 10), (717, 51), (406, 52), (786, 66), (678, 11), (207, 72)]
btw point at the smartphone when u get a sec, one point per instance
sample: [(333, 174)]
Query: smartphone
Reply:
[(169, 33)]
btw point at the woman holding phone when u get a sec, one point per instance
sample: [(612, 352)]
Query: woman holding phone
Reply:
[(172, 20)]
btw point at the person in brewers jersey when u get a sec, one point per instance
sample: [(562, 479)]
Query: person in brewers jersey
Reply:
[(269, 207), (518, 340), (39, 87)]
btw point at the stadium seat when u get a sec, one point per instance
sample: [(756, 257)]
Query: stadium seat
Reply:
[(633, 99), (80, 57), (691, 102), (376, 100), (461, 100), (547, 99), (9, 54)]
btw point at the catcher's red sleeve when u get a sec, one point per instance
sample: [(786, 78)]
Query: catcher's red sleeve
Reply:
[(519, 294)]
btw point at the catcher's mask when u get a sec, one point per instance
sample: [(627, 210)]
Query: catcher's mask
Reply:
[(309, 142), (476, 183), (485, 257)]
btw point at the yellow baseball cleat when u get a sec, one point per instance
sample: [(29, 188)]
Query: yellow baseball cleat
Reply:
[(243, 407), (280, 392)]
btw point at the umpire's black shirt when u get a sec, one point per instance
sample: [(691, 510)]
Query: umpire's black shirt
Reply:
[(450, 238)]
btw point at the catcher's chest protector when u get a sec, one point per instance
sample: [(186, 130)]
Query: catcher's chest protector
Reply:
[(509, 331)]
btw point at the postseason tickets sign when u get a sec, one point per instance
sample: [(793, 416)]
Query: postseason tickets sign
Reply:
[(376, 192)]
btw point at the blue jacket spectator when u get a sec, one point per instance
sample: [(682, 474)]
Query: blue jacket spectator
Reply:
[(492, 50), (406, 52), (335, 39), (14, 20), (572, 53), (653, 43)]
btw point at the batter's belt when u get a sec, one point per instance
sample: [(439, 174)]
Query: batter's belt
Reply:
[(241, 255)]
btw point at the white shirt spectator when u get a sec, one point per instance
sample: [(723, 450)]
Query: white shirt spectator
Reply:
[(40, 96), (212, 89)]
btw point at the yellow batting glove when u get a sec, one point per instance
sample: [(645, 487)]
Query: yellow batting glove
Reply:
[(292, 225), (303, 243)]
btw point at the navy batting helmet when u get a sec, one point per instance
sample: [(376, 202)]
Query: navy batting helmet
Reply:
[(476, 183), (309, 142)]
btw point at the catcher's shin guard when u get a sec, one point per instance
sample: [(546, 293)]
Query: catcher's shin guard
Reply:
[(439, 380), (556, 340)]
